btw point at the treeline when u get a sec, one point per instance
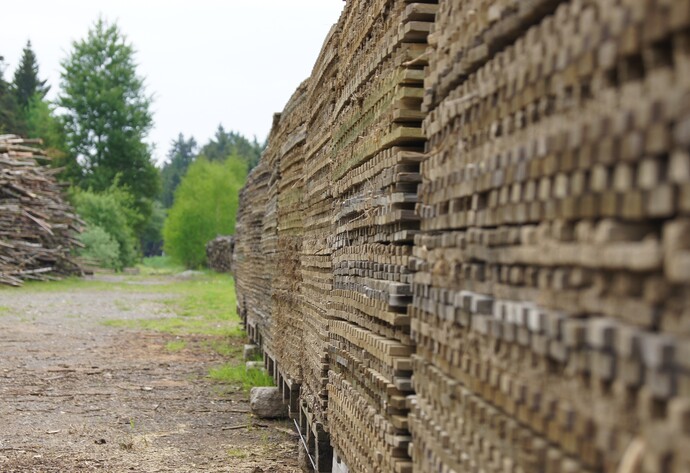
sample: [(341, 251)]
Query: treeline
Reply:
[(95, 131)]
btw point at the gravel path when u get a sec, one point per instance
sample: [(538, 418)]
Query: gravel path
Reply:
[(76, 395)]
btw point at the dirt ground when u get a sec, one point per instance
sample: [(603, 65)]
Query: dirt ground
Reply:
[(77, 395)]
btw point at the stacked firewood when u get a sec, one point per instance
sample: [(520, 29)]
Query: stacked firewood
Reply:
[(219, 253), (38, 229)]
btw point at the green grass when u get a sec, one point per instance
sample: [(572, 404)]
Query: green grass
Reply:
[(5, 310), (204, 306), (240, 376), (237, 453), (224, 347), (159, 265), (74, 284), (176, 345)]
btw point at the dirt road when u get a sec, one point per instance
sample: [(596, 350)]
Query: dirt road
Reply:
[(77, 394)]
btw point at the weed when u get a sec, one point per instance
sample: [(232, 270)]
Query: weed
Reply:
[(240, 375), (128, 446), (176, 345), (256, 357), (237, 453)]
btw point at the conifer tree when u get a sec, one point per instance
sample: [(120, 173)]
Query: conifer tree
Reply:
[(26, 84)]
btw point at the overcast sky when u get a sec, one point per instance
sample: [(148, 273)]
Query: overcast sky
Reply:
[(206, 62)]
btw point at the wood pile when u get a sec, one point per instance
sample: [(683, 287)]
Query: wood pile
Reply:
[(316, 266), (219, 253), (377, 146), (38, 229), (470, 242), (290, 138), (251, 264), (552, 290)]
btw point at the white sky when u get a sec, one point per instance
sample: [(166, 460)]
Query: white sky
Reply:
[(206, 62)]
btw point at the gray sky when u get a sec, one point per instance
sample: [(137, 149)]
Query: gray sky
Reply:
[(206, 62)]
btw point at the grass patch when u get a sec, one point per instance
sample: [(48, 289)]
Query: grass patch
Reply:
[(159, 265), (180, 326), (176, 345), (5, 310), (123, 306), (237, 453), (74, 284), (224, 347), (205, 305), (239, 375)]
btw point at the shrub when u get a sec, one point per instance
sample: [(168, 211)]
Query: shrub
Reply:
[(100, 247), (114, 213)]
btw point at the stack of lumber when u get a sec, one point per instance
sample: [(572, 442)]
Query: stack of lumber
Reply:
[(376, 149), (290, 138), (252, 264), (219, 253), (551, 305), (316, 267), (38, 229), (468, 240), (269, 237)]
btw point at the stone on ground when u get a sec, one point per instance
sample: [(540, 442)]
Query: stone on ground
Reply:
[(267, 403), (251, 352)]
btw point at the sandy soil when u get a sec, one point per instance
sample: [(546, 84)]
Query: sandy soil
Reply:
[(76, 395)]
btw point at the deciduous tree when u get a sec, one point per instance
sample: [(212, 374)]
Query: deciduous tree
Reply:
[(205, 206), (107, 115)]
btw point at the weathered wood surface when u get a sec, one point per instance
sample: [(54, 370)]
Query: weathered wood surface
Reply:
[(491, 256), (38, 229), (219, 253)]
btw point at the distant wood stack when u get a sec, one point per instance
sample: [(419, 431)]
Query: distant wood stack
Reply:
[(219, 253), (38, 229)]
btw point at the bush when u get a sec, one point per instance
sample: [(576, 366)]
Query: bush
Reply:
[(109, 216), (100, 247), (205, 206)]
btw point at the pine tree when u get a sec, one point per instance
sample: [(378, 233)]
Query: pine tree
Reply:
[(26, 83), (11, 119), (182, 153), (231, 143)]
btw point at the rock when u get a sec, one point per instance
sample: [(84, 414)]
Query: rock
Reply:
[(255, 365), (251, 352), (339, 465), (267, 403), (189, 274)]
